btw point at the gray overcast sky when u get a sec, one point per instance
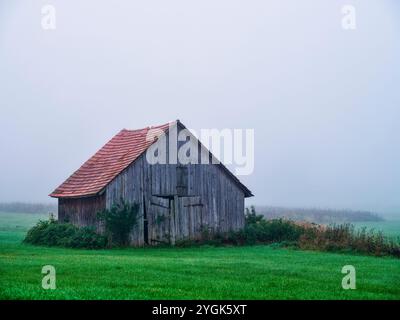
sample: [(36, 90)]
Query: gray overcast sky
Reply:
[(324, 102)]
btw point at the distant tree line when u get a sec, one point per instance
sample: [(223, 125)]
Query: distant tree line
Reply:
[(324, 216), (25, 207)]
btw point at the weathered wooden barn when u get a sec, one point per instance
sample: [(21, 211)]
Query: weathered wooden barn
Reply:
[(176, 201)]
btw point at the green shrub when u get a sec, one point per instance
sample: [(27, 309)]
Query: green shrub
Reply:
[(50, 233), (53, 233), (251, 217), (257, 230), (87, 237), (119, 221), (276, 230)]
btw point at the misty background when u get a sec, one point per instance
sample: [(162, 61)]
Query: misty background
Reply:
[(324, 102)]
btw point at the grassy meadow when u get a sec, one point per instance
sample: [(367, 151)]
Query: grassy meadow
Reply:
[(253, 272)]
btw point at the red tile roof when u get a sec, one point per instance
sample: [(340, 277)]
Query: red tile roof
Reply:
[(106, 164)]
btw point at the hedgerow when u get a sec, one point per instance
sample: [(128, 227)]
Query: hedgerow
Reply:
[(308, 236), (121, 218), (54, 233)]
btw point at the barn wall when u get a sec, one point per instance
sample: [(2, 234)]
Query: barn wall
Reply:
[(222, 199), (142, 183), (194, 198), (81, 211)]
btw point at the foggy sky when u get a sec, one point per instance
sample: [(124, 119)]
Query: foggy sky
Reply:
[(324, 102)]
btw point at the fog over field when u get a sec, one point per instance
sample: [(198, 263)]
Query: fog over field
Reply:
[(324, 102)]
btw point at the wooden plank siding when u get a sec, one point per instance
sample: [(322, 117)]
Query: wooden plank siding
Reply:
[(179, 201), (81, 211)]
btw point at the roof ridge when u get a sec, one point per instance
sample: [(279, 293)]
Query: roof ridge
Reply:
[(153, 126)]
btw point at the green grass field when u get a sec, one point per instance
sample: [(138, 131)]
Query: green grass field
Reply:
[(258, 272)]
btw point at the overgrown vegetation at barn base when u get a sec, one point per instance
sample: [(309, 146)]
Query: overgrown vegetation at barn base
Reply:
[(122, 217), (307, 236), (53, 233), (119, 222)]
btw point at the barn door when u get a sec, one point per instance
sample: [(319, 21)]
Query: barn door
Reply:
[(188, 218), (159, 216), (174, 219)]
